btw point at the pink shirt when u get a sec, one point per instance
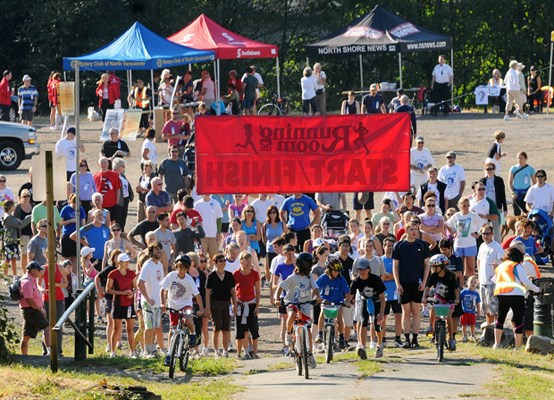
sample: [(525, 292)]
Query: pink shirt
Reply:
[(29, 289)]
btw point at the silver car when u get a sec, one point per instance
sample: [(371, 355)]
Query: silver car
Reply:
[(17, 142)]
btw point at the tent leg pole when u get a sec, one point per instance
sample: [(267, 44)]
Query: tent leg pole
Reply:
[(400, 68), (361, 74), (78, 143), (307, 62), (550, 75), (129, 83), (216, 88), (452, 86), (153, 103), (278, 76)]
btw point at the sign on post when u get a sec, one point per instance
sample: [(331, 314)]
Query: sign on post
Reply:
[(66, 96), (38, 178)]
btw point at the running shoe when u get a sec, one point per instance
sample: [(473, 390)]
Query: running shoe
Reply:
[(192, 340), (112, 355), (361, 353), (465, 339), (379, 351), (415, 344), (342, 343), (167, 360), (506, 118), (452, 345), (288, 339), (372, 344), (407, 344), (398, 344), (319, 338), (311, 361), (205, 352)]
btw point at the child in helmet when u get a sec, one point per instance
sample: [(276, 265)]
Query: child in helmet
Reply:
[(300, 288), (447, 290), (333, 289)]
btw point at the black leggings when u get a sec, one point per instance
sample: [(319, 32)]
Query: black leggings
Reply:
[(517, 304)]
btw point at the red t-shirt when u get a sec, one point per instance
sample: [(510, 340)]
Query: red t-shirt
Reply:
[(245, 285), (5, 92), (400, 233), (121, 283), (108, 183), (190, 215), (58, 279), (173, 128)]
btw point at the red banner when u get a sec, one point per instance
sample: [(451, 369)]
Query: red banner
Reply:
[(335, 153)]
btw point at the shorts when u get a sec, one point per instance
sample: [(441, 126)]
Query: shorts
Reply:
[(528, 312), (12, 251), (316, 312), (458, 311), (249, 103), (250, 326), (348, 316), (370, 319), (411, 293), (489, 302), (225, 227), (468, 319), (123, 312), (34, 322), (220, 315), (263, 251), (396, 308), (69, 247), (514, 96), (466, 251), (209, 246), (369, 205), (152, 316), (174, 316), (27, 115), (23, 242), (109, 305)]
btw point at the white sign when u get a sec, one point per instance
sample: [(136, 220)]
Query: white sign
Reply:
[(38, 178), (114, 119), (482, 95)]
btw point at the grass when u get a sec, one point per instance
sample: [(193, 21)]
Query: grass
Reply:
[(279, 366), (368, 368), (21, 382)]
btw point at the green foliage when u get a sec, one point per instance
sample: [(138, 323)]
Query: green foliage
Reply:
[(486, 35)]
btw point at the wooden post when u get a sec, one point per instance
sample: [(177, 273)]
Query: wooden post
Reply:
[(51, 261)]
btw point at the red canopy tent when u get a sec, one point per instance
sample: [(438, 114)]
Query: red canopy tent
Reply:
[(205, 34)]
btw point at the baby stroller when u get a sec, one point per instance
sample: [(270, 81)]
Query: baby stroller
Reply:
[(334, 224), (544, 227)]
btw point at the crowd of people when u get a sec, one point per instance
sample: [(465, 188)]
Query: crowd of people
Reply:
[(219, 254)]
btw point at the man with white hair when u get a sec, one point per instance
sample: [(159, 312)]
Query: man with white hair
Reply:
[(159, 198), (441, 85), (514, 92)]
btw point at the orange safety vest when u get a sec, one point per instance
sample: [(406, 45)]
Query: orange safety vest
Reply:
[(140, 98), (506, 278)]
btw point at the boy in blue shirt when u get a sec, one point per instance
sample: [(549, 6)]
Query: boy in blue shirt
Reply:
[(333, 288), (471, 304)]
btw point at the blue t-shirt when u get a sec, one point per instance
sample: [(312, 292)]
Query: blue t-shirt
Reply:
[(372, 103), (27, 96), (298, 211), (68, 212), (469, 300), (332, 290), (96, 237), (455, 264), (284, 271), (160, 200), (390, 285), (87, 186), (530, 245), (524, 178)]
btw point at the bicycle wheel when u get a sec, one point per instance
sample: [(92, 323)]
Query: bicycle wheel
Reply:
[(175, 343), (304, 353), (269, 109), (329, 342), (297, 357), (441, 336), (184, 353)]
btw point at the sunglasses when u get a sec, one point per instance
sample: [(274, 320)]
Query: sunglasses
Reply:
[(203, 261), (174, 151), (416, 221), (273, 212), (159, 184), (430, 205), (83, 165), (116, 230), (26, 196), (481, 189), (2, 181), (538, 176), (386, 223), (489, 169), (249, 211), (219, 261)]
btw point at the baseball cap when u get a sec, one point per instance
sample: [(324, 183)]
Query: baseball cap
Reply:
[(71, 129), (26, 78), (419, 139), (362, 263), (520, 66), (123, 257), (373, 86), (85, 251), (34, 265), (518, 244), (451, 154)]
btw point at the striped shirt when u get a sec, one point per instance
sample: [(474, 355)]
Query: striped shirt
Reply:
[(27, 97)]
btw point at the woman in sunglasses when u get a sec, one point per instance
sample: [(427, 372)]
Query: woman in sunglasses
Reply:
[(117, 242), (495, 191)]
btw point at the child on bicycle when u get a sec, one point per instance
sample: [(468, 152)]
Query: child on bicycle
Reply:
[(177, 290), (372, 300), (471, 304), (447, 290), (300, 288), (282, 272), (333, 289)]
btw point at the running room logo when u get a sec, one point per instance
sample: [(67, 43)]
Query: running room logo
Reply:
[(291, 139), (363, 31), (404, 30)]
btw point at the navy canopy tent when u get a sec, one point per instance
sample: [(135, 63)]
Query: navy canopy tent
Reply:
[(380, 31), (139, 49)]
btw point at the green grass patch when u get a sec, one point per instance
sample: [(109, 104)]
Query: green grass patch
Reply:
[(368, 368), (279, 366)]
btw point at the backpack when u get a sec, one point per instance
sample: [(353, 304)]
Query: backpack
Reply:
[(15, 290)]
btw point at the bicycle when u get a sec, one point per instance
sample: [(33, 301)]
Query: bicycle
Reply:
[(441, 314), (277, 106), (179, 348), (300, 337), (330, 314)]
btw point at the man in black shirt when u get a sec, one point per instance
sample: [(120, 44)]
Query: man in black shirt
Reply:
[(148, 225), (347, 263), (185, 236), (115, 147), (411, 269)]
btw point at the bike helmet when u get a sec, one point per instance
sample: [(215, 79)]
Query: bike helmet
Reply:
[(184, 259), (438, 260), (333, 264), (305, 260)]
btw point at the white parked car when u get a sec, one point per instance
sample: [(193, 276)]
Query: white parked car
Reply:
[(17, 143)]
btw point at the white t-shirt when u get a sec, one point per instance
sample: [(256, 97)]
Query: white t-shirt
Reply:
[(279, 259), (308, 87), (277, 200), (152, 274), (152, 152), (479, 207), (541, 197), (180, 291), (261, 206), (420, 159), (465, 225), (210, 211), (452, 176), (232, 266), (318, 82), (67, 149), (489, 255), (442, 73)]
